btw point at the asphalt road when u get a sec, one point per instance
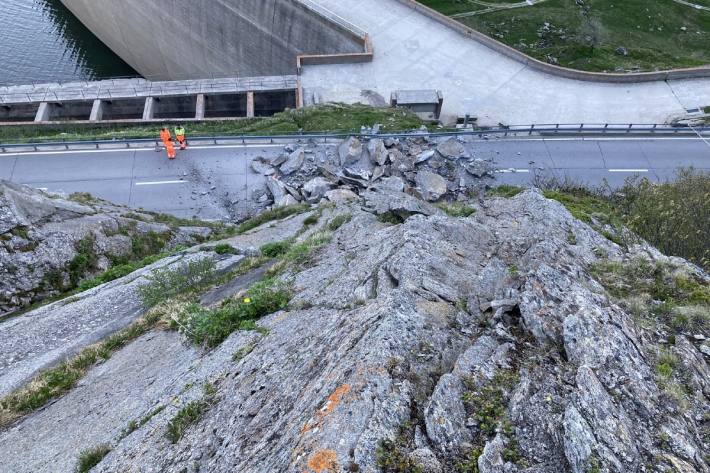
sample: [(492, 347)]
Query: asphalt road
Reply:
[(215, 182)]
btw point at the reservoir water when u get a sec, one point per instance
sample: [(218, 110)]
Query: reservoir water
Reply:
[(41, 41)]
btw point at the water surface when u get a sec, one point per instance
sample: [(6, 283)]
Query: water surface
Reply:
[(41, 41)]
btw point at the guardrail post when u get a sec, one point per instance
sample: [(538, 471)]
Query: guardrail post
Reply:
[(606, 125), (628, 130), (531, 130), (581, 125)]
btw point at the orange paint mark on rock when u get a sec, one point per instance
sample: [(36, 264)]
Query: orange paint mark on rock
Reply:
[(324, 461), (331, 403)]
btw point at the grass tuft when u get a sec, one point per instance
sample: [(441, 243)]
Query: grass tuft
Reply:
[(92, 457)]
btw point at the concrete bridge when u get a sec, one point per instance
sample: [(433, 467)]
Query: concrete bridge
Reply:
[(128, 100)]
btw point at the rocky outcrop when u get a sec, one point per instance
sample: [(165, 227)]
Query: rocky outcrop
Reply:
[(429, 344), (48, 242)]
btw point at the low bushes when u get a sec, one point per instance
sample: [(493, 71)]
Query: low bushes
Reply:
[(167, 283), (210, 327)]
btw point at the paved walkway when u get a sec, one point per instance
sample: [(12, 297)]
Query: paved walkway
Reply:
[(413, 51)]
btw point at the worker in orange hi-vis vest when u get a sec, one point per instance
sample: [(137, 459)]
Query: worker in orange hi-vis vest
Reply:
[(165, 136), (170, 148)]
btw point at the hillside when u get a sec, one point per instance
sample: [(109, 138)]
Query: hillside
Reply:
[(375, 330), (594, 35)]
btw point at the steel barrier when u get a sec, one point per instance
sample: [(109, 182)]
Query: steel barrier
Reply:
[(504, 131)]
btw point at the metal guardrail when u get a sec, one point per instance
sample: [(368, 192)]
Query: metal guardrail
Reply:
[(618, 130)]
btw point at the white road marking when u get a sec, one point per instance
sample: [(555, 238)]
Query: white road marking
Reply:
[(511, 170), (159, 183), (628, 170)]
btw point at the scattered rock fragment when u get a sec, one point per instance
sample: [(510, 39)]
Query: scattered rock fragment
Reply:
[(431, 186)]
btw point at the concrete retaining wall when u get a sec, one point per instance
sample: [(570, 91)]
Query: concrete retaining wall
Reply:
[(190, 39), (552, 69)]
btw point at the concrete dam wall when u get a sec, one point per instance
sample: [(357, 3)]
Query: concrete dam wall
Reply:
[(194, 39)]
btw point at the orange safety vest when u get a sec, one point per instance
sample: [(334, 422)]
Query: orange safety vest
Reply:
[(165, 136)]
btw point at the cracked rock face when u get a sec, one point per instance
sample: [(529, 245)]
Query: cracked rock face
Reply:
[(39, 234), (436, 341)]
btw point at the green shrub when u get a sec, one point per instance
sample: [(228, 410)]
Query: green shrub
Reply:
[(92, 457), (210, 327), (276, 249), (84, 261), (225, 249), (167, 283), (391, 459), (469, 463), (673, 216), (149, 243)]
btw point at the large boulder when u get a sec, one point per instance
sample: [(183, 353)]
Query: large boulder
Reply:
[(431, 186), (378, 152), (294, 162), (350, 151), (451, 148), (315, 189)]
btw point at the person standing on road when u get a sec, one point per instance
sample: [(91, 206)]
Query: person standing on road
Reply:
[(180, 136), (170, 148), (165, 136)]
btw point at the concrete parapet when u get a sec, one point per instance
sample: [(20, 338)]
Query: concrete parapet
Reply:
[(558, 71)]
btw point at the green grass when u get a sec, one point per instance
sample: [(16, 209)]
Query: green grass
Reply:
[(92, 457), (339, 221), (190, 414), (657, 293), (334, 118), (55, 382), (505, 191), (271, 215), (456, 209), (585, 35), (137, 424)]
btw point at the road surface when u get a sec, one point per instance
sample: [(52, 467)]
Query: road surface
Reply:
[(216, 182)]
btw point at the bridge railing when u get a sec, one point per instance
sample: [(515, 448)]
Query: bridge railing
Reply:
[(510, 131)]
